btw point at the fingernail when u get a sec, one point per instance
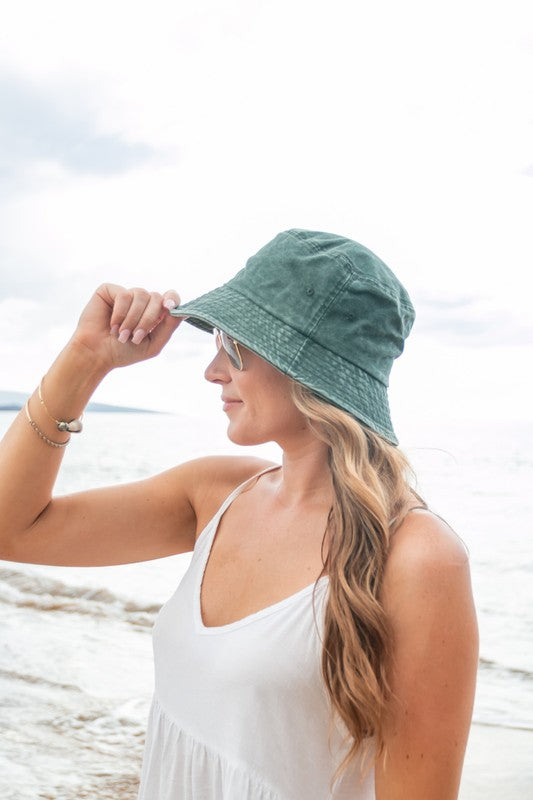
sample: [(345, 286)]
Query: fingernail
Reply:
[(124, 336), (169, 303), (114, 330), (138, 336)]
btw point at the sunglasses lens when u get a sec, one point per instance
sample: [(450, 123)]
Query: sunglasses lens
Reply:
[(230, 346)]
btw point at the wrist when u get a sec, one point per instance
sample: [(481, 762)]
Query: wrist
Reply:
[(91, 367), (70, 382)]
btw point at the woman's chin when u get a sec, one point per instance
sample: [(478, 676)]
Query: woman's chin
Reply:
[(243, 437)]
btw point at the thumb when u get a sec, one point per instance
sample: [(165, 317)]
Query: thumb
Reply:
[(171, 299), (161, 333)]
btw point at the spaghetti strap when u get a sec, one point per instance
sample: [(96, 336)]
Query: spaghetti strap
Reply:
[(227, 502)]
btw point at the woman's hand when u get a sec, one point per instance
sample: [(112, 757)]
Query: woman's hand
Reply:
[(122, 326), (117, 327)]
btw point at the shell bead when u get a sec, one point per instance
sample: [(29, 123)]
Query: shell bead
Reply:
[(74, 426)]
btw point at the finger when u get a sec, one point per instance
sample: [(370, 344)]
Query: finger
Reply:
[(171, 299), (140, 300), (121, 305), (162, 332), (150, 318), (108, 293)]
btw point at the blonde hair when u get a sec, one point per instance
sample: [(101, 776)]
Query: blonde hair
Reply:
[(372, 494)]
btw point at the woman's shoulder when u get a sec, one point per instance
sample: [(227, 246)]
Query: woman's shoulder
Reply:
[(427, 564), (214, 477), (424, 536), (228, 472)]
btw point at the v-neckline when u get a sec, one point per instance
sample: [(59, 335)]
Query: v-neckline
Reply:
[(255, 615)]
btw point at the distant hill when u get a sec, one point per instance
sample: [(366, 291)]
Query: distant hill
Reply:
[(14, 401)]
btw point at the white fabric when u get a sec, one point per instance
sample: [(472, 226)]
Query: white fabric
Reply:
[(240, 711)]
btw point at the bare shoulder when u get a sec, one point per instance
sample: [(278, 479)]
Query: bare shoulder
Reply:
[(427, 571), (210, 479), (425, 541)]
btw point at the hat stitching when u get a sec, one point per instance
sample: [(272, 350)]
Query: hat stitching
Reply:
[(310, 340), (355, 270), (307, 335)]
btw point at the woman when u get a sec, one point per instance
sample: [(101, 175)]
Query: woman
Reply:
[(323, 642)]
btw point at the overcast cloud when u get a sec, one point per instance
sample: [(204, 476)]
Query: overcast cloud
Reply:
[(162, 146), (473, 322), (35, 128)]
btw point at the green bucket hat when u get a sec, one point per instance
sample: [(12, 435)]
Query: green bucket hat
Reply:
[(322, 309)]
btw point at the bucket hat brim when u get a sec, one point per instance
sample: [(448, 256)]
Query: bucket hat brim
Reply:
[(295, 354)]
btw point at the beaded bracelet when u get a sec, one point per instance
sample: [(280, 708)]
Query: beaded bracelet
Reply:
[(39, 432)]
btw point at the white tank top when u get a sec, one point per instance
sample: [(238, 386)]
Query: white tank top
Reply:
[(240, 711)]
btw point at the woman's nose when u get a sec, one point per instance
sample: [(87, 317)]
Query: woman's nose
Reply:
[(217, 369)]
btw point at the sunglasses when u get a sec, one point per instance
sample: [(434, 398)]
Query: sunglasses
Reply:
[(230, 346)]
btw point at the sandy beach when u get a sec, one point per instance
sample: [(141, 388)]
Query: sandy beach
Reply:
[(498, 764)]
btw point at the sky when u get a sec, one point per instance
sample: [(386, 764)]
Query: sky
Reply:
[(162, 144)]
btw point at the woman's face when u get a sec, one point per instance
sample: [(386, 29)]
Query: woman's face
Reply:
[(264, 411)]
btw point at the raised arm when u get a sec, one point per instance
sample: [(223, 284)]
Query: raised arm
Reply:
[(104, 526), (428, 598)]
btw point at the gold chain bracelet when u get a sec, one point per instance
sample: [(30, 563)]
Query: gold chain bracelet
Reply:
[(74, 426)]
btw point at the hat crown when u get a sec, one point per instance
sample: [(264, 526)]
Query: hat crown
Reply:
[(333, 291)]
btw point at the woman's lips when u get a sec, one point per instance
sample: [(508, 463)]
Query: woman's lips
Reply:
[(230, 404)]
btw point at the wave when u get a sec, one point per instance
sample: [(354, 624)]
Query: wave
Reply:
[(28, 590), (488, 664), (505, 726), (35, 679)]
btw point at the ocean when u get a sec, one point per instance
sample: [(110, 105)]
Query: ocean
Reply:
[(76, 671)]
